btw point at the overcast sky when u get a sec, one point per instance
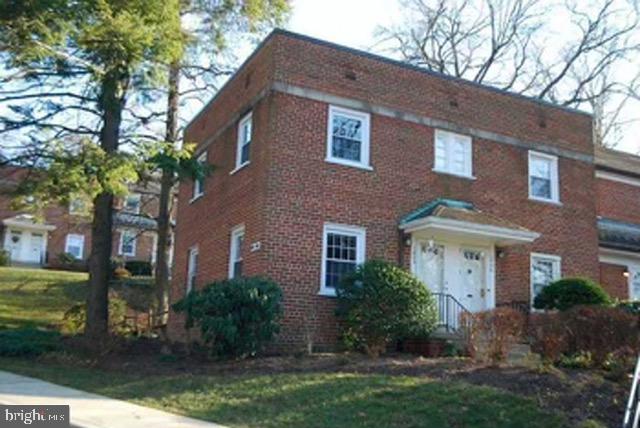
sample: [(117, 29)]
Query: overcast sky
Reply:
[(353, 22)]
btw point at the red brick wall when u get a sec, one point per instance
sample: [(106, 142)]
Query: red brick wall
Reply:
[(618, 201), (613, 280)]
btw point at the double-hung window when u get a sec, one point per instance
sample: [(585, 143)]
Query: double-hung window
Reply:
[(543, 177), (245, 130), (132, 203), (192, 268), (235, 252), (198, 184), (453, 154), (545, 269), (343, 249), (74, 245), (77, 206), (128, 243), (348, 137)]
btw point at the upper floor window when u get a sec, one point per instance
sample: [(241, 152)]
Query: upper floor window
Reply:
[(453, 153), (343, 249), (192, 268), (545, 269), (235, 252), (77, 206), (74, 245), (198, 184), (128, 240), (543, 177), (348, 137), (132, 203), (245, 130)]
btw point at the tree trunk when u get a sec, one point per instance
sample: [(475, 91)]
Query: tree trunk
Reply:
[(111, 103), (164, 209)]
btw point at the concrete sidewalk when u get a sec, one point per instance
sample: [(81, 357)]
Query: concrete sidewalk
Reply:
[(90, 410)]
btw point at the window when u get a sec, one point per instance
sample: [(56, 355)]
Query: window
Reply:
[(343, 248), (453, 154), (132, 203), (74, 245), (348, 137), (235, 252), (543, 177), (198, 184), (245, 130), (192, 268), (634, 282), (128, 243), (544, 270), (77, 206)]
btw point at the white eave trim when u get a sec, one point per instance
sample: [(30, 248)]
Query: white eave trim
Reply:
[(474, 229), (620, 178), (619, 257), (27, 225)]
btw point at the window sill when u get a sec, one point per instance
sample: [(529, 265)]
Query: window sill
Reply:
[(195, 198), (238, 168), (453, 174), (327, 293), (545, 201), (348, 163)]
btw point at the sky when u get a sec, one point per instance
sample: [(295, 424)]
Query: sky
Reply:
[(353, 23)]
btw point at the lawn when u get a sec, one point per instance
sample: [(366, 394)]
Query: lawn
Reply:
[(37, 297)]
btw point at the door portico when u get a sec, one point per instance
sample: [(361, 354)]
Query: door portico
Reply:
[(26, 240)]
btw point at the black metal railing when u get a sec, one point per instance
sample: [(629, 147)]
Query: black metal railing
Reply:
[(452, 315)]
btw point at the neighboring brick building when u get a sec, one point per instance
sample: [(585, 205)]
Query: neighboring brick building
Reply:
[(327, 156), (618, 196), (68, 229)]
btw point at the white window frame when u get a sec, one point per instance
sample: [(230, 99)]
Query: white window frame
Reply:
[(447, 136), (557, 266), (74, 236), (133, 243), (138, 196), (240, 144), (192, 271), (555, 180), (366, 137), (236, 232), (360, 234), (198, 184), (81, 211)]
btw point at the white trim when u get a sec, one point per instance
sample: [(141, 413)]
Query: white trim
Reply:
[(198, 185), (448, 137), (620, 178), (239, 143), (75, 236), (236, 232), (240, 167), (365, 147), (557, 260), (29, 224), (555, 177), (138, 196), (453, 174), (133, 243), (191, 252), (360, 234), (487, 231), (607, 255)]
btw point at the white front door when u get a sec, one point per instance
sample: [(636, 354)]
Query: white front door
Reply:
[(472, 292), (429, 265), (14, 242), (26, 246), (36, 248)]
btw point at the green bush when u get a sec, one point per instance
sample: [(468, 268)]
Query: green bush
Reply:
[(568, 292), (74, 319), (630, 306), (236, 317), (139, 268), (380, 303), (28, 342), (5, 258)]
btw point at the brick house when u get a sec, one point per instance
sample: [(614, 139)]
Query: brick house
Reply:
[(326, 156), (68, 229), (618, 196)]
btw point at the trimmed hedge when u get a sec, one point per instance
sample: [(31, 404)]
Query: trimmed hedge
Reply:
[(28, 342), (569, 292)]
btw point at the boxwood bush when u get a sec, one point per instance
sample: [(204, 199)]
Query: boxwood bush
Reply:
[(236, 317), (28, 342), (380, 303), (569, 292)]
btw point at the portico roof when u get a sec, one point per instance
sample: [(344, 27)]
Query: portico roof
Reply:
[(450, 216), (619, 235), (27, 221)]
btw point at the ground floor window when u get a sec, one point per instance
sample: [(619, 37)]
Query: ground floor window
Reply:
[(236, 251), (128, 240), (545, 269), (192, 268), (343, 249), (634, 282), (74, 245)]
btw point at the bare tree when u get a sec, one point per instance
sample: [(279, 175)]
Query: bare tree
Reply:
[(515, 45)]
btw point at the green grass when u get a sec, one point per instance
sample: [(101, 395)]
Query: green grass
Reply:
[(312, 400), (36, 297)]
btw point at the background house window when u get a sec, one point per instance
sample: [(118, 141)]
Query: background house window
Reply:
[(545, 269), (192, 268), (348, 137), (74, 245), (343, 250), (77, 206), (128, 243), (132, 203), (453, 153), (543, 177), (198, 184), (235, 252), (245, 130)]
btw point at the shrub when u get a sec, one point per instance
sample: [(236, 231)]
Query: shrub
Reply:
[(75, 318), (568, 292), (491, 334), (66, 259), (139, 268), (630, 306), (121, 273), (28, 342), (380, 302), (236, 317), (5, 258)]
